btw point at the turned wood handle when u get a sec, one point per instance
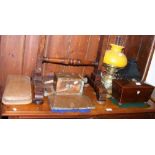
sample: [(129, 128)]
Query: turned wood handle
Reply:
[(64, 61)]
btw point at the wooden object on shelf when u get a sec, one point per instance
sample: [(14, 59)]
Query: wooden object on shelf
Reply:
[(95, 78), (37, 82), (128, 91), (68, 84), (95, 82), (100, 111), (17, 90), (70, 102), (60, 79), (72, 62)]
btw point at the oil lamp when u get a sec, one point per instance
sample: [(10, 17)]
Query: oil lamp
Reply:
[(113, 60)]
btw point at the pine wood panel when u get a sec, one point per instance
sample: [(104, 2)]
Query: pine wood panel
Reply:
[(112, 39), (11, 55), (133, 46), (77, 47), (91, 53), (78, 50), (57, 48), (138, 48), (30, 54), (144, 52)]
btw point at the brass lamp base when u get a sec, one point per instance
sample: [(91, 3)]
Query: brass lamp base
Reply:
[(107, 78)]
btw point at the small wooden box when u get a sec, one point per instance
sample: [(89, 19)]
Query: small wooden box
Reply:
[(68, 84), (128, 91)]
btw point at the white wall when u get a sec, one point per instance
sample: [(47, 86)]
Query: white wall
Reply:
[(150, 79)]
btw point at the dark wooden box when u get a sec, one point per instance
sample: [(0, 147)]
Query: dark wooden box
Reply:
[(128, 91)]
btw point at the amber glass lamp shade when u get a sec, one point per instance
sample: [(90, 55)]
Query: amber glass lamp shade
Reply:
[(114, 57)]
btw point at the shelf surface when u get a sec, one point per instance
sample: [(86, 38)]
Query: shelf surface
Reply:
[(102, 110)]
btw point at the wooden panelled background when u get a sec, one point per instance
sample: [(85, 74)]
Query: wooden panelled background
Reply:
[(18, 54), (81, 47), (137, 47)]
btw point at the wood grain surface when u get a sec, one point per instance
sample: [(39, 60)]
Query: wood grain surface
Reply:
[(19, 53), (30, 54), (43, 110), (11, 56)]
